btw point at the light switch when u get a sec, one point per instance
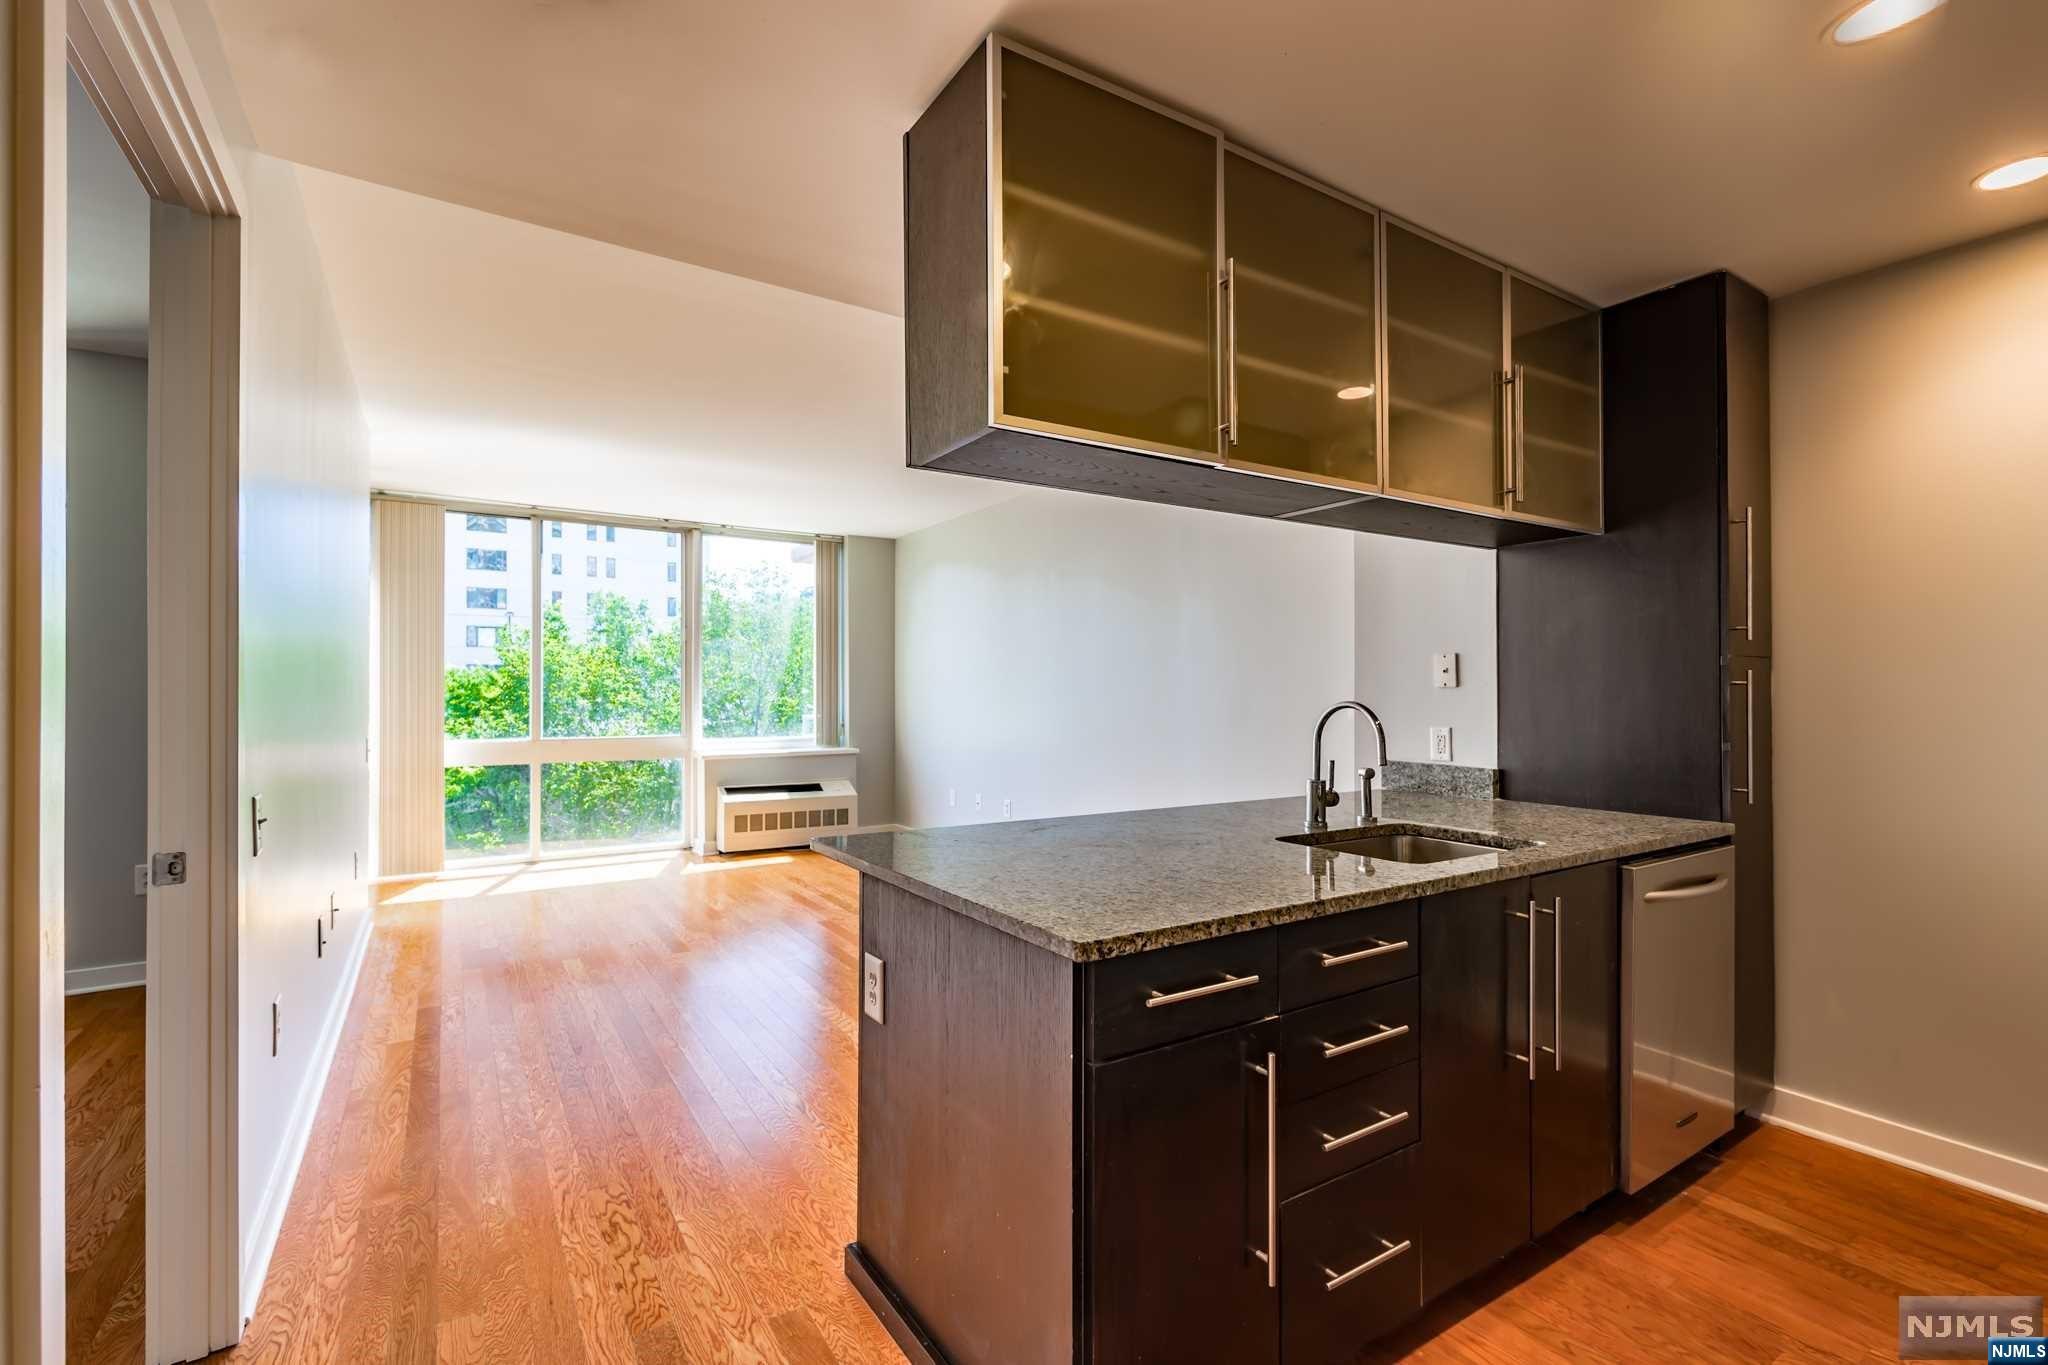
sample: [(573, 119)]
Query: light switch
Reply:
[(1445, 667)]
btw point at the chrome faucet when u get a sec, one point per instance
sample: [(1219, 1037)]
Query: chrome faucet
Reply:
[(1323, 794)]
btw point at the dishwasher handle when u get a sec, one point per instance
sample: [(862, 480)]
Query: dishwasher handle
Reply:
[(1690, 891)]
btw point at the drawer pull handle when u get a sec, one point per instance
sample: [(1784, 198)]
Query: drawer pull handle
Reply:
[(1386, 1121), (1228, 983), (1339, 1049), (1337, 1281), (1380, 948)]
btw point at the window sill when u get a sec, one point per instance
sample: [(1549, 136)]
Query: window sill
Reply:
[(743, 748)]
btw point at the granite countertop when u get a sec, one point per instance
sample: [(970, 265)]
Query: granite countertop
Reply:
[(1097, 886)]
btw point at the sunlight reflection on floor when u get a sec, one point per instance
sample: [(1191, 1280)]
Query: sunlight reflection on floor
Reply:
[(597, 869)]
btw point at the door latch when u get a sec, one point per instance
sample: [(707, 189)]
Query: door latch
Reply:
[(167, 869)]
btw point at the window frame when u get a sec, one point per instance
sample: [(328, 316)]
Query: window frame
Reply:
[(535, 749)]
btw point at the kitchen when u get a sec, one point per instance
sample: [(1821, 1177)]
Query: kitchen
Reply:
[(1387, 1033)]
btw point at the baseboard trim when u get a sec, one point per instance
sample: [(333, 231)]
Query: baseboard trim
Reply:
[(277, 1194), (113, 976), (896, 1316), (1993, 1173)]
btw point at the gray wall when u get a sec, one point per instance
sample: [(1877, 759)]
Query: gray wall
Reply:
[(1074, 653), (1908, 449), (106, 694), (1416, 600), (869, 639)]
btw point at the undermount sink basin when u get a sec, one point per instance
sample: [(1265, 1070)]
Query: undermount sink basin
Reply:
[(1400, 846), (1408, 848)]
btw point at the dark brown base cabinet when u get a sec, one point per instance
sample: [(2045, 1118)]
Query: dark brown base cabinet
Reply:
[(1268, 1147)]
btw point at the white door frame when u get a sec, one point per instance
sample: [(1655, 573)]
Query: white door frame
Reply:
[(134, 63)]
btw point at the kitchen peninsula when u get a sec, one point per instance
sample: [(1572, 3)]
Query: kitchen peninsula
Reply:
[(1189, 1084)]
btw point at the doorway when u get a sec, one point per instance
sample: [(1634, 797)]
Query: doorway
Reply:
[(106, 857)]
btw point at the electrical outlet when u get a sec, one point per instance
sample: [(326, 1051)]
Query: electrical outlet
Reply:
[(1006, 808), (952, 798), (871, 986), (1439, 743), (142, 879), (977, 800), (1445, 669)]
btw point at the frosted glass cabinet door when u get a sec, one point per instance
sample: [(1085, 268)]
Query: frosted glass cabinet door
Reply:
[(1445, 400), (1557, 372), (1109, 265), (1304, 282)]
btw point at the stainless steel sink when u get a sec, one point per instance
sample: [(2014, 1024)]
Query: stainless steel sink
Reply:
[(1407, 848)]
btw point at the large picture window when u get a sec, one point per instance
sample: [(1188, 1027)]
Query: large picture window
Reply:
[(571, 716)]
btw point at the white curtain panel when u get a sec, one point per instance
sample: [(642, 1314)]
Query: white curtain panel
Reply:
[(411, 681), (825, 616)]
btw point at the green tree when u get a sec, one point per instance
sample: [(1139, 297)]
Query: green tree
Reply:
[(758, 655)]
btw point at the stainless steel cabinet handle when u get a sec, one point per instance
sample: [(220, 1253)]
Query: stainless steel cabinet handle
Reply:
[(1690, 891), (1556, 913), (1383, 1035), (1230, 350), (1271, 1255), (1747, 682), (1507, 434), (1521, 434), (1385, 1121), (1336, 1281), (1228, 983), (1380, 948), (1748, 524), (1529, 1057)]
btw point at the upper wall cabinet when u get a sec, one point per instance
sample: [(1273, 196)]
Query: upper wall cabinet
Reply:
[(1102, 294)]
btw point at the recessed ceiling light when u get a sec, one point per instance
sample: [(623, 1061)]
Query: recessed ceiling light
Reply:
[(1873, 18), (2025, 171), (1355, 391)]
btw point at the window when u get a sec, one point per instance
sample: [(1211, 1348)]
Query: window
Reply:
[(556, 597), (672, 606), (671, 571), (589, 602), (590, 533), (491, 561), (486, 810), (590, 566), (474, 521), (604, 805), (618, 670), (758, 638), (611, 568), (671, 539), (486, 646), (555, 529), (611, 533), (554, 563)]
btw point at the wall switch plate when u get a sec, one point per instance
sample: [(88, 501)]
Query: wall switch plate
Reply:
[(977, 800), (871, 986), (1445, 669), (1439, 743), (952, 798), (1006, 808), (142, 879)]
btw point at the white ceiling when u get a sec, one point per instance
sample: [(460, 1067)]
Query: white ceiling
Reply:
[(496, 359), (107, 266), (1609, 146)]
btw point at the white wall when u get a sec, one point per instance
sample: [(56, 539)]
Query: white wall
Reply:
[(106, 694), (868, 578), (1908, 453), (1415, 600), (304, 704), (1072, 653)]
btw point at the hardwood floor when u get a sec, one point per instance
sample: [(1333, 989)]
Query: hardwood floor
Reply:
[(103, 1169), (586, 1120)]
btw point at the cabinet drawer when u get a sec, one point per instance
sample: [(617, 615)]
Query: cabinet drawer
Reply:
[(1321, 959), (1148, 999), (1340, 1130), (1335, 1043), (1350, 1267)]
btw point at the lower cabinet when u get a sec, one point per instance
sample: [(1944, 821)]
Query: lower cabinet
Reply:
[(1349, 1264), (1475, 1079), (1178, 1202), (1574, 1135)]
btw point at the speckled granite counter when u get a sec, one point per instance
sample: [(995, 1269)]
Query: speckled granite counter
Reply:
[(1096, 886)]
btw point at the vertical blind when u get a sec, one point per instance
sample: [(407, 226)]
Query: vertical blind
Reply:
[(411, 676)]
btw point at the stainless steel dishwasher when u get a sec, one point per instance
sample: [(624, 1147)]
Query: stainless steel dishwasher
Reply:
[(1677, 1009)]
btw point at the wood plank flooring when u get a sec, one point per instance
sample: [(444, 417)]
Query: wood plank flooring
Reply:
[(103, 1169), (606, 1114)]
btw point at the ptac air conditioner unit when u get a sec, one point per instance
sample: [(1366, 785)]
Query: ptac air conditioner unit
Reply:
[(783, 814)]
